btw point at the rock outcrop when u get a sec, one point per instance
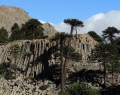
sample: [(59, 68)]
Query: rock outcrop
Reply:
[(10, 15), (34, 57), (21, 86), (49, 29), (37, 55)]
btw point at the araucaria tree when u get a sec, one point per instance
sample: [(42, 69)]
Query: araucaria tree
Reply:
[(74, 23), (107, 52), (15, 32), (95, 36), (32, 29), (61, 52), (109, 34), (3, 35), (60, 39)]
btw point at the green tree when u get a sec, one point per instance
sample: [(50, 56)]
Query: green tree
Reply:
[(32, 29), (109, 34), (95, 36), (108, 54), (117, 42), (80, 89), (15, 32), (15, 26), (62, 52), (3, 35), (15, 51), (74, 23), (60, 39)]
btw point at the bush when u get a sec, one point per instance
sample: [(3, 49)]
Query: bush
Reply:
[(79, 89), (44, 87), (29, 77), (9, 77)]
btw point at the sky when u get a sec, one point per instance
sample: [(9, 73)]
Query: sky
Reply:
[(96, 15)]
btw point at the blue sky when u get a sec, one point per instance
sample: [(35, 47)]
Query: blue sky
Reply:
[(55, 11)]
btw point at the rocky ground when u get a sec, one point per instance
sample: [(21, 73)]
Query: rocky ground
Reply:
[(21, 86)]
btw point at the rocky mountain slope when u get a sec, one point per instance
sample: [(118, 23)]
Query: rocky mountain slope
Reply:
[(10, 15)]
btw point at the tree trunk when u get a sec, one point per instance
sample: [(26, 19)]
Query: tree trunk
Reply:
[(104, 73), (112, 75), (71, 32), (62, 73), (65, 64)]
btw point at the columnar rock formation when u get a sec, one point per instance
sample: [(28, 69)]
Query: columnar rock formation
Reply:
[(34, 57), (37, 55), (83, 43)]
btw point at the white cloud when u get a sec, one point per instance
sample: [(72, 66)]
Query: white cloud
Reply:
[(101, 21), (97, 23), (42, 21)]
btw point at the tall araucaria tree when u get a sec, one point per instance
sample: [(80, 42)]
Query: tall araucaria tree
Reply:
[(109, 34), (32, 29), (74, 23), (60, 39)]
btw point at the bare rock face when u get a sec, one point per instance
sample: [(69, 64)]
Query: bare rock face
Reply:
[(10, 15), (49, 29)]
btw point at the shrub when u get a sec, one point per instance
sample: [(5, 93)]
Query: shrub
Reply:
[(9, 77), (44, 87), (29, 77), (79, 89)]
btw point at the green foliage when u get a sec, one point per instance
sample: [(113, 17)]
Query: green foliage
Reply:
[(95, 36), (74, 22), (9, 77), (3, 35), (14, 50), (44, 87), (109, 34), (60, 35), (75, 56), (13, 66), (6, 72), (32, 29), (113, 90), (72, 54), (3, 68), (28, 53), (79, 89), (29, 77), (15, 26), (15, 33), (109, 53)]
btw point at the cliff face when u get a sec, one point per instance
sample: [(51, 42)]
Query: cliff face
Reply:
[(37, 55), (34, 57), (41, 56), (10, 15), (49, 29)]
